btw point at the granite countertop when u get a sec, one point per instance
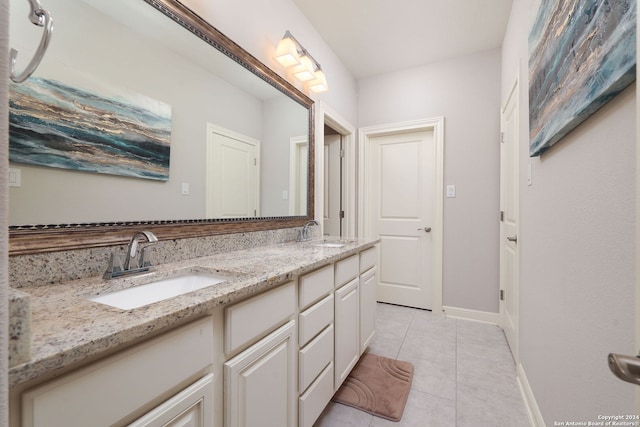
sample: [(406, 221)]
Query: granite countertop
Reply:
[(67, 328)]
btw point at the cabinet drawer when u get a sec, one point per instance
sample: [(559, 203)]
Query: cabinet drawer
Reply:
[(368, 258), (106, 392), (314, 357), (315, 285), (258, 315), (315, 319), (313, 402), (346, 270)]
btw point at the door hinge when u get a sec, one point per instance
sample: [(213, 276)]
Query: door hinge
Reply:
[(502, 137), (501, 294), (255, 162), (341, 215), (341, 154), (501, 216)]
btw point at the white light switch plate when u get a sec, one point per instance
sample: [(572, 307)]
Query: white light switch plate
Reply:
[(451, 191), (15, 177)]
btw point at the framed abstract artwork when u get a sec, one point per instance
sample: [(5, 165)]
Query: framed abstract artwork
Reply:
[(582, 53), (115, 132)]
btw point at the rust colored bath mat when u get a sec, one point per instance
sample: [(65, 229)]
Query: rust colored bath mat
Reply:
[(377, 385)]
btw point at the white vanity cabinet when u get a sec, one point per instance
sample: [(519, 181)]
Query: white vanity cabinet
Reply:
[(113, 390), (347, 317), (274, 359), (260, 382), (368, 296)]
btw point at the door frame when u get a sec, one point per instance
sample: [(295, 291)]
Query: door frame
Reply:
[(296, 143), (514, 93), (326, 115), (365, 134)]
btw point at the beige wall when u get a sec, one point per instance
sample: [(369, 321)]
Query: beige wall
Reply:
[(577, 247), (466, 92)]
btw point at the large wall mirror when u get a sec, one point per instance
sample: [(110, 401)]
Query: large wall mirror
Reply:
[(143, 115)]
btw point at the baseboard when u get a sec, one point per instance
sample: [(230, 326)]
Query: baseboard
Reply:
[(467, 314), (535, 416)]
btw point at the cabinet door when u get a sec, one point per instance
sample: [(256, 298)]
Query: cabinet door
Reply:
[(346, 324), (368, 288), (260, 388), (192, 407)]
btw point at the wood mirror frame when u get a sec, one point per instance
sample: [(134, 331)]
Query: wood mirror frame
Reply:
[(25, 240)]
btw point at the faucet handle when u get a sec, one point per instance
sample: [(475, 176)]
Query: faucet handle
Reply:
[(114, 268), (145, 259)]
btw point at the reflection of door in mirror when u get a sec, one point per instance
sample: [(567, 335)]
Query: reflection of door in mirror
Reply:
[(232, 174), (298, 158), (332, 183)]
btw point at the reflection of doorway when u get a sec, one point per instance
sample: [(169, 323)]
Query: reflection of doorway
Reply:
[(332, 199), (233, 174), (330, 122), (298, 171)]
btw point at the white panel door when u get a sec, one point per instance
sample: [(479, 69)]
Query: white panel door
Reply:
[(332, 180), (403, 174), (509, 221), (232, 175)]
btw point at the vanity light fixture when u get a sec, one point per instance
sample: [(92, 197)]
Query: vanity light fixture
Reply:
[(287, 51), (304, 71), (305, 68)]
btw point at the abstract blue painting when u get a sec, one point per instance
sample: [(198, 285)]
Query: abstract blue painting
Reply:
[(57, 125), (582, 53)]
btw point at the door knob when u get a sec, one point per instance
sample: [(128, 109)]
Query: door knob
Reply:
[(627, 368), (513, 239), (425, 229)]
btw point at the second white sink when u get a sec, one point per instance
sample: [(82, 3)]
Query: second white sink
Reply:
[(330, 245), (159, 290)]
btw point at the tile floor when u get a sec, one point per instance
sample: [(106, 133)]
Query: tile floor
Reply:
[(464, 374)]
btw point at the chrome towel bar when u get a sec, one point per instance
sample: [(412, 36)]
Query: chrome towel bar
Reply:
[(42, 18)]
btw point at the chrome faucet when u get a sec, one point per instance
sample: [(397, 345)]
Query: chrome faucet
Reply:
[(303, 235), (132, 249), (142, 263)]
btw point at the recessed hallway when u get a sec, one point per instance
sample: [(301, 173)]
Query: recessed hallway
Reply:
[(464, 373)]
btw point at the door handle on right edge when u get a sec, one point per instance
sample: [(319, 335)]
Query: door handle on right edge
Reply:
[(627, 368), (513, 239)]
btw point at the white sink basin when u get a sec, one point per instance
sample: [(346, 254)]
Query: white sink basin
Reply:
[(159, 290), (329, 245)]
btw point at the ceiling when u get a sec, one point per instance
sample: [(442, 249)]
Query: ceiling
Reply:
[(379, 36)]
